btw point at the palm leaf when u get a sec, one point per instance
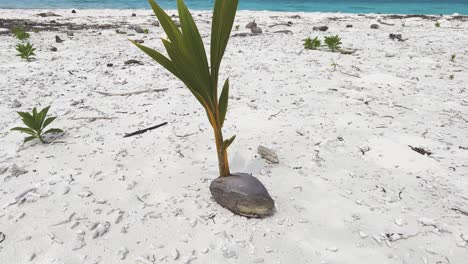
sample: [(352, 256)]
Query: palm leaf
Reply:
[(26, 139), (48, 121), (24, 130), (54, 130), (167, 24), (221, 26), (223, 102)]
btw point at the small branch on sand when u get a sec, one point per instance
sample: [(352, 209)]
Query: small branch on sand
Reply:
[(131, 93), (93, 118), (384, 23), (281, 24), (274, 115), (460, 211), (351, 74), (144, 130)]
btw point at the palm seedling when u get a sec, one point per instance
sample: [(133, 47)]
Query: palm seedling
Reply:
[(333, 42), (19, 33), (26, 52), (36, 122), (453, 57), (187, 60), (312, 44)]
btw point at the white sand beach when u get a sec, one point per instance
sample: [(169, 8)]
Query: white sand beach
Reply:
[(348, 187)]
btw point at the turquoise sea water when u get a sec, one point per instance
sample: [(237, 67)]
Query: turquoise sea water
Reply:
[(347, 6)]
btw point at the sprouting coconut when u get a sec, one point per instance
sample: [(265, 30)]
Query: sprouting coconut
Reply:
[(187, 60)]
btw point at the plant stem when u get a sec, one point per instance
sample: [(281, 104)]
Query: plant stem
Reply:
[(222, 153), (41, 139)]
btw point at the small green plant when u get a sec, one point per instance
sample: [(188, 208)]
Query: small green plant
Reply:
[(334, 65), (333, 42), (187, 60), (452, 57), (451, 77), (437, 24), (25, 51), (312, 44), (35, 30), (35, 123), (237, 27), (146, 31), (19, 33)]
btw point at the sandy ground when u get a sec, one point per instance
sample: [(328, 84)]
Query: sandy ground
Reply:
[(348, 188)]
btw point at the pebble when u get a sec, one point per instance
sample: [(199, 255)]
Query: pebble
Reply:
[(101, 229), (268, 249), (15, 104), (427, 221), (374, 26), (175, 254), (390, 54), (256, 30), (78, 242), (122, 253), (258, 260), (362, 235), (332, 249), (85, 193), (400, 222)]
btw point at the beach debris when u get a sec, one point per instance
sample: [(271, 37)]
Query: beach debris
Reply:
[(175, 254), (349, 26), (58, 39), (251, 24), (320, 28), (100, 229), (256, 30), (122, 253), (73, 11), (65, 221), (78, 242), (384, 23), (288, 24), (53, 49), (133, 61), (15, 104), (243, 34), (48, 14), (267, 154), (54, 238), (133, 15), (243, 195), (155, 23), (284, 31), (70, 34), (295, 16), (363, 235), (20, 196), (138, 29), (374, 26), (398, 37), (347, 51), (140, 41), (421, 150), (144, 130), (2, 237), (390, 54), (15, 172)]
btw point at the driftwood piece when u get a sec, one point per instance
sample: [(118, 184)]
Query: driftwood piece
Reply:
[(144, 130), (288, 24), (132, 93), (347, 51), (284, 31), (268, 154), (384, 23), (245, 34)]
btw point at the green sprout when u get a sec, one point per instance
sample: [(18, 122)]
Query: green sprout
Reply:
[(26, 52), (35, 124), (312, 44), (187, 60), (237, 27), (451, 77), (333, 42), (146, 31), (19, 33), (452, 57), (334, 65), (437, 24)]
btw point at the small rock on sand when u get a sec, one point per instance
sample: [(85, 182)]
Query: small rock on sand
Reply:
[(251, 24), (268, 154), (256, 30), (320, 28), (374, 26), (155, 23), (15, 104), (138, 29)]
